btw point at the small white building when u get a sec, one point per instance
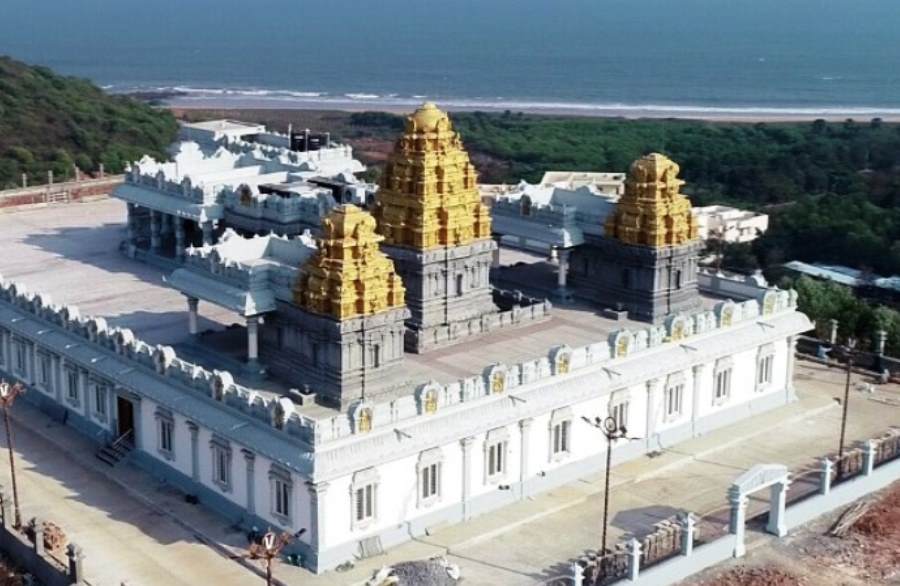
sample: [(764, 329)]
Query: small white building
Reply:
[(730, 224)]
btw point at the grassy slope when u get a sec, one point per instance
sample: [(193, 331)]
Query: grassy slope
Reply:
[(50, 122)]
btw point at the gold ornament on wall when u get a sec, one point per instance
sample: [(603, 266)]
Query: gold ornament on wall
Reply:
[(428, 197)]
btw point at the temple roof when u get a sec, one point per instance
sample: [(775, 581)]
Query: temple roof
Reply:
[(653, 212), (349, 276), (429, 196)]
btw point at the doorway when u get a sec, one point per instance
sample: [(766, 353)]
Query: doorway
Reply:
[(125, 410)]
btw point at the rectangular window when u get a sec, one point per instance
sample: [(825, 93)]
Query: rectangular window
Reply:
[(764, 371), (165, 435), (365, 503), (282, 499), (723, 384), (674, 395), (100, 399), (221, 454), (21, 361), (45, 373), (561, 432), (619, 412), (496, 454), (430, 481), (72, 384)]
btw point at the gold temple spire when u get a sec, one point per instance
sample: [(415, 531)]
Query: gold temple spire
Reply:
[(428, 196), (349, 276), (653, 212)]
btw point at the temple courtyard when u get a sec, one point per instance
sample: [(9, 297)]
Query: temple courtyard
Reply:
[(133, 528)]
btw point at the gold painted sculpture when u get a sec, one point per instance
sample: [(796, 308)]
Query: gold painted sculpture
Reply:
[(428, 196), (653, 212), (349, 276)]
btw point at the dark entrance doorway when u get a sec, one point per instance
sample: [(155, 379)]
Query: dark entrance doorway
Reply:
[(125, 409)]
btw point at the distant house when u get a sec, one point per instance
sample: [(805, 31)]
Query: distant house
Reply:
[(865, 284), (730, 224)]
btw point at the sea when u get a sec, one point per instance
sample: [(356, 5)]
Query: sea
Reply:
[(675, 57)]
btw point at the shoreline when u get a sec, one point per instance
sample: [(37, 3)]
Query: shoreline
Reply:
[(636, 112)]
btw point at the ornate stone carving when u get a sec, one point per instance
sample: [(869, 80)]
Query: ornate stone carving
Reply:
[(653, 212), (349, 276), (428, 196)]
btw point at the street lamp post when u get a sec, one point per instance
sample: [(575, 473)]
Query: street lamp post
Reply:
[(613, 431), (268, 549), (8, 394), (851, 344)]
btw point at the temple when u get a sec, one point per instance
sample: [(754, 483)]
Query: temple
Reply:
[(357, 364)]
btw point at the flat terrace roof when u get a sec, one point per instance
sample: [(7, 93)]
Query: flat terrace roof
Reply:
[(71, 253)]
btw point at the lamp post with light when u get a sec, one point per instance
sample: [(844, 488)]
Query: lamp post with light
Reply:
[(848, 348), (613, 431), (8, 394)]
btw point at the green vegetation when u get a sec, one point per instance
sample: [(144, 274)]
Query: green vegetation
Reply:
[(50, 122), (832, 190), (823, 301)]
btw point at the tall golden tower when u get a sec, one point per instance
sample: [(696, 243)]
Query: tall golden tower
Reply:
[(428, 195), (646, 262), (653, 212), (349, 276), (437, 231)]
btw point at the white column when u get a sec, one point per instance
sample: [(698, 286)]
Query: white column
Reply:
[(466, 443), (316, 513), (825, 479), (563, 268), (179, 238), (869, 455), (155, 228), (250, 461), (252, 338), (738, 521), (777, 503), (193, 304), (634, 559), (207, 228), (695, 396), (195, 451), (652, 394), (687, 535), (789, 375), (525, 430)]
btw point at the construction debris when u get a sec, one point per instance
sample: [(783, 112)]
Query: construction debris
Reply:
[(848, 518), (436, 571)]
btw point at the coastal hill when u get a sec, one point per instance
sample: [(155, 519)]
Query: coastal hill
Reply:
[(51, 122)]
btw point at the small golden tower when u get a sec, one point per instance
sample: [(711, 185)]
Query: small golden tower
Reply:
[(428, 196), (653, 212), (349, 276)]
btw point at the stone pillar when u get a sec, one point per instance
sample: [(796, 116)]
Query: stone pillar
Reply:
[(525, 430), (777, 503), (155, 228), (179, 238), (825, 479), (687, 534), (316, 512), (76, 559), (738, 520), (38, 526), (253, 339), (832, 336), (495, 256), (563, 268), (102, 171), (24, 180), (49, 177), (207, 229), (869, 455), (193, 304), (250, 461), (132, 231), (634, 559), (195, 451), (577, 575), (695, 396), (466, 443)]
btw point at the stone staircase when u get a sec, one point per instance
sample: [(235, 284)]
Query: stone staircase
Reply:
[(116, 451)]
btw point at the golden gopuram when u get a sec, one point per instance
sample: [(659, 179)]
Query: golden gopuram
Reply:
[(653, 212), (349, 276), (428, 196)]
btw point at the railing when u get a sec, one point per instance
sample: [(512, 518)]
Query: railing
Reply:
[(122, 439)]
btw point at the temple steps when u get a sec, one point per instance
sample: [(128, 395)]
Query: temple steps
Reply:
[(116, 451)]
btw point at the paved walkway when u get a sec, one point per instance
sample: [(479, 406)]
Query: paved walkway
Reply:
[(133, 528)]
